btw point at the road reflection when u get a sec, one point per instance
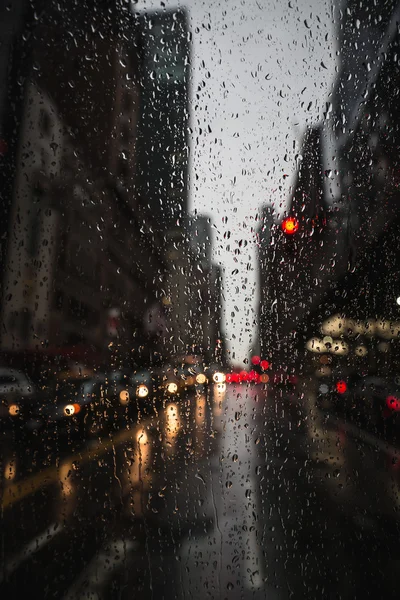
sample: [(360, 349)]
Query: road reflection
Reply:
[(218, 490), (10, 470), (172, 426), (68, 491)]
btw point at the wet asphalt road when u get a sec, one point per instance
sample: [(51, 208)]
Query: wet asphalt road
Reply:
[(238, 493)]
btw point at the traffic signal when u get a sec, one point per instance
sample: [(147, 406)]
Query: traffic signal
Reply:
[(290, 225)]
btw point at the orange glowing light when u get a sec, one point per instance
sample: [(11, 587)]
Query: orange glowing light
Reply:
[(290, 225)]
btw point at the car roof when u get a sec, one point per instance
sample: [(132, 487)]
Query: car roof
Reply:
[(15, 372)]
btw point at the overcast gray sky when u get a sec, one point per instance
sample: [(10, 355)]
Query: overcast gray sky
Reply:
[(265, 69)]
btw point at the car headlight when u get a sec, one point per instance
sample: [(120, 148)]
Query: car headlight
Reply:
[(124, 397), (69, 410), (172, 388), (142, 391), (219, 377), (201, 378), (13, 410)]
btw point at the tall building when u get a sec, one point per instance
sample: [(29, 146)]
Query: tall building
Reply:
[(162, 144), (81, 266), (354, 187), (200, 239)]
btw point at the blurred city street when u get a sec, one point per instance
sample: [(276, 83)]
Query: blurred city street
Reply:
[(222, 494), (199, 300)]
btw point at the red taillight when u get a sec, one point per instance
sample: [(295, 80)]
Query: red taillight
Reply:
[(393, 403), (255, 360), (232, 378), (290, 225), (341, 387), (264, 364), (243, 376), (254, 377)]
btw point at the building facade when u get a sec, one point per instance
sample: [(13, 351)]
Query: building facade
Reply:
[(82, 261), (346, 191)]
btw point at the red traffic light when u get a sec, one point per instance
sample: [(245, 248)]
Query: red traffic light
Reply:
[(341, 387), (290, 225), (393, 403)]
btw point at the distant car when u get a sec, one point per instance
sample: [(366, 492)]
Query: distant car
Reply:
[(375, 406), (215, 373), (332, 393), (283, 379), (371, 402), (18, 396), (15, 383), (190, 371), (171, 383), (136, 390), (143, 384), (72, 407)]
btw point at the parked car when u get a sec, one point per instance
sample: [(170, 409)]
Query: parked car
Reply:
[(72, 406), (376, 406), (190, 371), (18, 397)]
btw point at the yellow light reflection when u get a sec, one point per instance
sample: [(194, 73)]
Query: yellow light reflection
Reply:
[(141, 437), (65, 477), (219, 393), (201, 378), (200, 409), (68, 491), (10, 470), (172, 424), (140, 471), (142, 391)]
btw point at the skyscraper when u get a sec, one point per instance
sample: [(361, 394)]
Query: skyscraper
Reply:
[(162, 145)]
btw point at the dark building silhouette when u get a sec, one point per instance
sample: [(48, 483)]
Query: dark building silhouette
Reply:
[(345, 197), (162, 143), (82, 259)]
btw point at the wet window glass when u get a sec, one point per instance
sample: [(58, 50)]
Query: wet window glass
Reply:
[(199, 299)]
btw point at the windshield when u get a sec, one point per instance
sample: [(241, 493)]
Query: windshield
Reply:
[(200, 272)]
